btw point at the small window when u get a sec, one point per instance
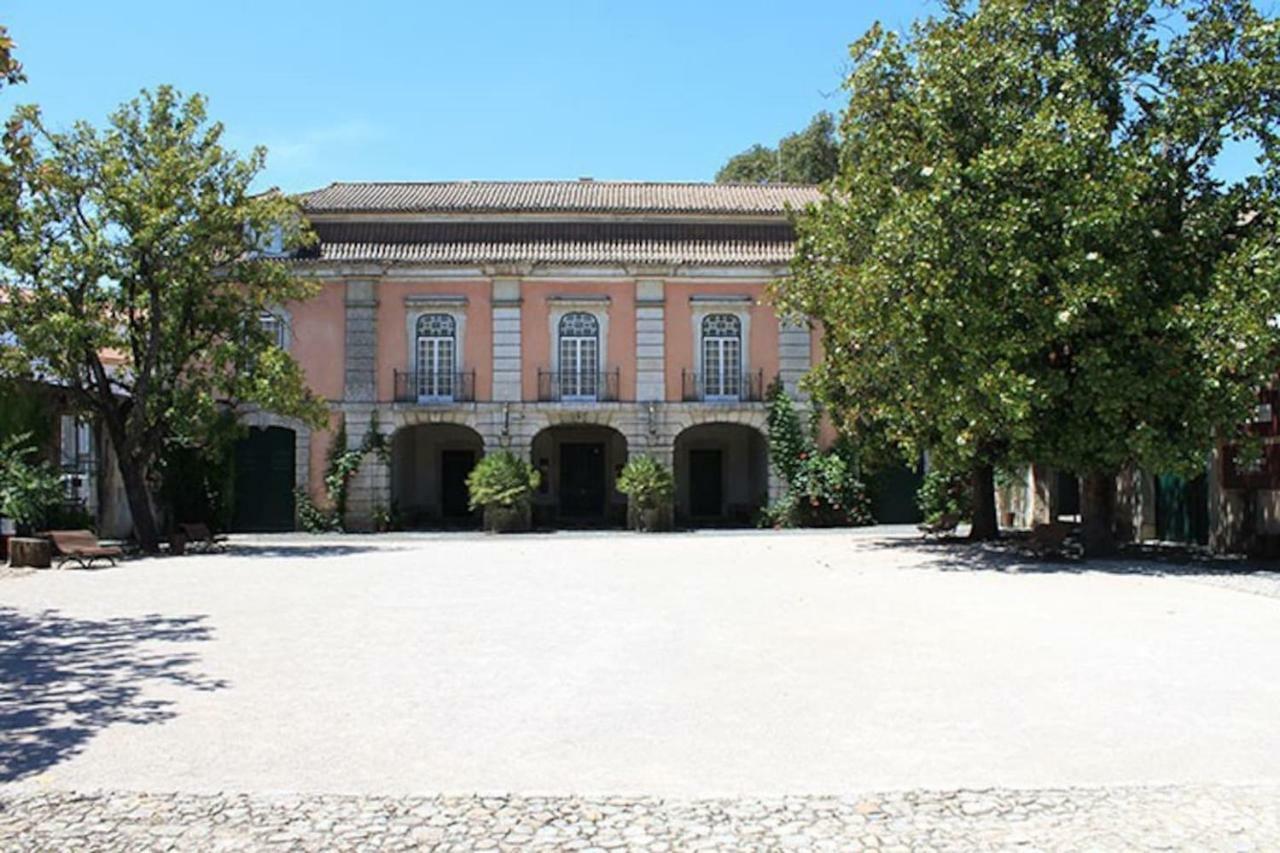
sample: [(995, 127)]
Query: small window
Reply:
[(273, 325)]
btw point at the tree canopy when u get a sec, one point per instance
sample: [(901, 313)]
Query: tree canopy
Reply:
[(135, 277), (10, 68), (806, 157), (1027, 252)]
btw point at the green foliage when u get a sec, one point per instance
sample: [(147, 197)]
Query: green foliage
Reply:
[(502, 479), (1027, 252), (646, 482), (945, 493), (157, 261), (10, 68), (197, 481), (808, 157), (343, 463), (30, 487), (823, 488), (25, 410)]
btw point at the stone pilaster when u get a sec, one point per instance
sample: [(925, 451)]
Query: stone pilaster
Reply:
[(793, 355), (506, 340), (370, 487), (651, 363), (361, 381)]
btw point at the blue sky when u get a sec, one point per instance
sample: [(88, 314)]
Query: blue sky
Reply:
[(651, 90)]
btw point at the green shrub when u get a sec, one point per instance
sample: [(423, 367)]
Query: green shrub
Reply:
[(312, 518), (649, 487), (647, 482), (30, 487), (822, 487), (502, 479), (944, 493)]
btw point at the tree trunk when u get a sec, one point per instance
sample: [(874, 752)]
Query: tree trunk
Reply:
[(983, 525), (1097, 513), (135, 488), (139, 497)]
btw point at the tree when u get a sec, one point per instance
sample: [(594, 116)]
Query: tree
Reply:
[(807, 157), (1026, 253), (10, 68), (135, 279)]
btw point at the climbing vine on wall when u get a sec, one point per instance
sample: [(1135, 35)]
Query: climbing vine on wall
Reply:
[(821, 487), (343, 463)]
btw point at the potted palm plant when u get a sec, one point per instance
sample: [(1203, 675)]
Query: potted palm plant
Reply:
[(502, 484), (649, 487)]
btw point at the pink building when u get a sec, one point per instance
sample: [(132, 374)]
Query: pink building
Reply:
[(572, 322)]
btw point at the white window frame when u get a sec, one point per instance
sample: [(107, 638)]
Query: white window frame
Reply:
[(435, 384), (597, 308), (729, 388), (284, 323), (740, 307), (455, 309)]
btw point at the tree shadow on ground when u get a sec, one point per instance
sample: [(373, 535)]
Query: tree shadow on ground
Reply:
[(302, 551), (1011, 555), (63, 679)]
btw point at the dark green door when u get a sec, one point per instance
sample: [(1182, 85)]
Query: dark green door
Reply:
[(893, 495), (582, 480), (264, 481), (1182, 509), (706, 492)]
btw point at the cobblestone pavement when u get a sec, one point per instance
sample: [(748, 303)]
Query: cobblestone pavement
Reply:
[(1159, 818)]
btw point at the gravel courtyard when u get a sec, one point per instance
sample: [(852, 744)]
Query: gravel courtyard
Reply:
[(673, 670)]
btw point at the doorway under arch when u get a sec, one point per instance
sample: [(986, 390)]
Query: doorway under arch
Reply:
[(722, 475), (579, 466), (429, 468)]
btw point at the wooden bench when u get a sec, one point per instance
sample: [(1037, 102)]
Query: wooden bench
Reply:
[(945, 523), (197, 532), (81, 546), (1046, 539)]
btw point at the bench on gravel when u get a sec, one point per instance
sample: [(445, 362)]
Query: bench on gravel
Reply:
[(81, 546), (944, 524), (197, 532), (1048, 539)]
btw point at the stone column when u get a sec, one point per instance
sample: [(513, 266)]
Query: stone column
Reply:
[(370, 487), (651, 362), (793, 355), (507, 363)]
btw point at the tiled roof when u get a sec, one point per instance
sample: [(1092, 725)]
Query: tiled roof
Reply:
[(558, 197), (620, 251)]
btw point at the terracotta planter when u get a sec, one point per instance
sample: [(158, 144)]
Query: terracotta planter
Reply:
[(649, 520), (507, 519)]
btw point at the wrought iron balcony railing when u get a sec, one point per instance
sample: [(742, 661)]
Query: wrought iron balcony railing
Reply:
[(431, 387), (722, 388), (572, 386)]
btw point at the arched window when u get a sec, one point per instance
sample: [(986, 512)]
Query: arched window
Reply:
[(437, 356), (579, 356), (721, 357)]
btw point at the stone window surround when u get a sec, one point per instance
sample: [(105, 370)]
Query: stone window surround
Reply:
[(417, 306), (596, 306)]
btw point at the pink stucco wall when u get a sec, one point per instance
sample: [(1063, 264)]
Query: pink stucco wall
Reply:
[(318, 339), (535, 329), (393, 333), (762, 349)]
